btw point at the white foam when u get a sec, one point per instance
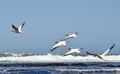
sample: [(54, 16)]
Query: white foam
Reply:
[(58, 58), (88, 70)]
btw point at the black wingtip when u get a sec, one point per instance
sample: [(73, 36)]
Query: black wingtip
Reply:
[(12, 25), (51, 50), (64, 55), (87, 52), (90, 53), (112, 46), (24, 23)]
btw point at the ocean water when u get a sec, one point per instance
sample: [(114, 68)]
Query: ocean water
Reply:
[(58, 64)]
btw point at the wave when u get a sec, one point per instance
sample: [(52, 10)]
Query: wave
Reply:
[(55, 58), (14, 55), (60, 71), (88, 71), (10, 59)]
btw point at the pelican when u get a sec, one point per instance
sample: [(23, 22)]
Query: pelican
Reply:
[(73, 50), (19, 29), (74, 35), (58, 44), (101, 56)]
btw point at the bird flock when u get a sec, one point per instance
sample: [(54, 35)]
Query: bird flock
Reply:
[(63, 42), (77, 50)]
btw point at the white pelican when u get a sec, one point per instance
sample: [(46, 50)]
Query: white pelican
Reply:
[(19, 29), (74, 35), (72, 51), (58, 44), (101, 56)]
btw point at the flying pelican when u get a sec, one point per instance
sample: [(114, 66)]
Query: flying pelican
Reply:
[(74, 35), (73, 50), (58, 44), (19, 29), (101, 56)]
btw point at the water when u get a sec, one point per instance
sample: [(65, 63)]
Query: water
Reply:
[(58, 64)]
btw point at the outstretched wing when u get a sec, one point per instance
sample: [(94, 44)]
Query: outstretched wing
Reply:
[(54, 48), (14, 27), (67, 34), (21, 26), (108, 50), (91, 54), (99, 56), (69, 52)]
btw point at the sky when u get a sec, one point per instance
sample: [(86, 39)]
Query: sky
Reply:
[(96, 21)]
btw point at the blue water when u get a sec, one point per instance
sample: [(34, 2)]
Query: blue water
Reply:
[(59, 70)]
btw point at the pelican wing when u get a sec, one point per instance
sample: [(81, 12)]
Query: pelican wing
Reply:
[(14, 27), (101, 57), (67, 34), (91, 54), (96, 55), (21, 26), (108, 50), (69, 52), (56, 46)]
